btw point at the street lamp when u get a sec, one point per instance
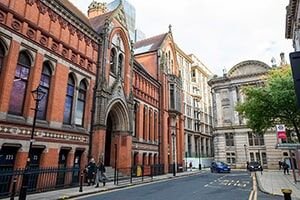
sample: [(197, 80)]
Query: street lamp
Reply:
[(38, 94), (199, 143), (174, 151)]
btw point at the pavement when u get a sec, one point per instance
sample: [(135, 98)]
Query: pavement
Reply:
[(272, 181), (74, 192)]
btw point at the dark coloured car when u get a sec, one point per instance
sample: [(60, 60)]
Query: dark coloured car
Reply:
[(219, 167), (254, 166)]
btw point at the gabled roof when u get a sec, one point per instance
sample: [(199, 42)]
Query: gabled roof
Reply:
[(149, 44), (75, 11), (97, 22)]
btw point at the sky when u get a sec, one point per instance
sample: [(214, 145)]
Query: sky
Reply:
[(221, 33)]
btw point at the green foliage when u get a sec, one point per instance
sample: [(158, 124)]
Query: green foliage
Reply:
[(271, 104)]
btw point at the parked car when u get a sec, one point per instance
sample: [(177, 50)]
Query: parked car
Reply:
[(254, 166), (219, 167)]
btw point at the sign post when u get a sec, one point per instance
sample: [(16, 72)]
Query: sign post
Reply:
[(281, 133)]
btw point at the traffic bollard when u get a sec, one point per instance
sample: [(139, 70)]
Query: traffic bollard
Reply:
[(287, 194), (13, 192), (81, 182)]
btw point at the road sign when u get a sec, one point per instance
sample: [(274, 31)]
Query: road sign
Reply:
[(281, 131)]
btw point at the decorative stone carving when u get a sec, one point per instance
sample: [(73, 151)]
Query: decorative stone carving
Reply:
[(43, 40), (64, 53), (30, 2), (87, 40), (53, 16), (62, 22), (81, 62), (74, 58), (16, 25), (79, 35), (31, 33), (72, 29), (54, 46), (42, 7), (95, 46)]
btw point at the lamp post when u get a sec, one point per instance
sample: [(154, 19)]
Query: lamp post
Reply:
[(174, 151), (38, 94), (199, 143), (245, 147)]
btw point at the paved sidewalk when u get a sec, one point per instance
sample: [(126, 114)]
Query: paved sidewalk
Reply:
[(74, 192), (273, 181)]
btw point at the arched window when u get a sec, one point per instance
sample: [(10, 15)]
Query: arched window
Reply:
[(69, 100), (18, 92), (79, 116), (2, 53), (120, 64), (113, 61), (45, 86)]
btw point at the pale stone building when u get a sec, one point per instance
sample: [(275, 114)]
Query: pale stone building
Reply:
[(234, 143), (197, 110)]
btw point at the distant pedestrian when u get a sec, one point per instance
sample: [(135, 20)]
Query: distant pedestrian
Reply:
[(100, 177), (285, 168), (191, 165), (261, 169), (280, 164), (247, 165), (91, 172)]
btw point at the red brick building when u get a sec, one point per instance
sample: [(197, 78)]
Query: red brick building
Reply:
[(137, 110)]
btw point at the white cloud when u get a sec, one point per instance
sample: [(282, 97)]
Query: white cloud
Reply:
[(221, 33)]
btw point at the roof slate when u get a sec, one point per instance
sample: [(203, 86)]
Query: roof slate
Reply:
[(73, 9), (149, 44)]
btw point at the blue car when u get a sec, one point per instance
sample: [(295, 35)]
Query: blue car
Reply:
[(219, 167)]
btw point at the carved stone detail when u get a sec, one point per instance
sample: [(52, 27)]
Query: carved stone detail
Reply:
[(72, 29), (53, 16), (54, 46), (79, 35), (95, 46), (81, 62), (64, 53), (87, 40), (30, 33), (16, 25), (42, 7), (62, 22), (43, 40), (74, 58), (30, 2)]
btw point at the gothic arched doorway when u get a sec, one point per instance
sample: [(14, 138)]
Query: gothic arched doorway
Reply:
[(117, 137)]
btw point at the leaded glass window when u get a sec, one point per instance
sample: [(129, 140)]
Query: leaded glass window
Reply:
[(45, 86), (18, 92), (80, 104), (69, 100)]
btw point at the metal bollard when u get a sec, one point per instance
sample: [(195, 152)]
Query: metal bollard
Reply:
[(287, 194), (13, 192), (81, 182)]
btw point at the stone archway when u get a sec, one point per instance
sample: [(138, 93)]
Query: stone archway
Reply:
[(117, 146)]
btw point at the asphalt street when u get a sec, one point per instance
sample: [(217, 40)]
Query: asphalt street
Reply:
[(206, 186)]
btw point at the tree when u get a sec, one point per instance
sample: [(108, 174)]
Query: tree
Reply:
[(273, 103)]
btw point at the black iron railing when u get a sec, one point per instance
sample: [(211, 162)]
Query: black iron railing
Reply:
[(40, 179)]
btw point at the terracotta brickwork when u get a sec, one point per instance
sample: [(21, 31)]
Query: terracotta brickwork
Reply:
[(137, 109), (45, 34)]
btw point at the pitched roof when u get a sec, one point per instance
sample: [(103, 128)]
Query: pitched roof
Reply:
[(73, 9), (149, 44), (97, 22)]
